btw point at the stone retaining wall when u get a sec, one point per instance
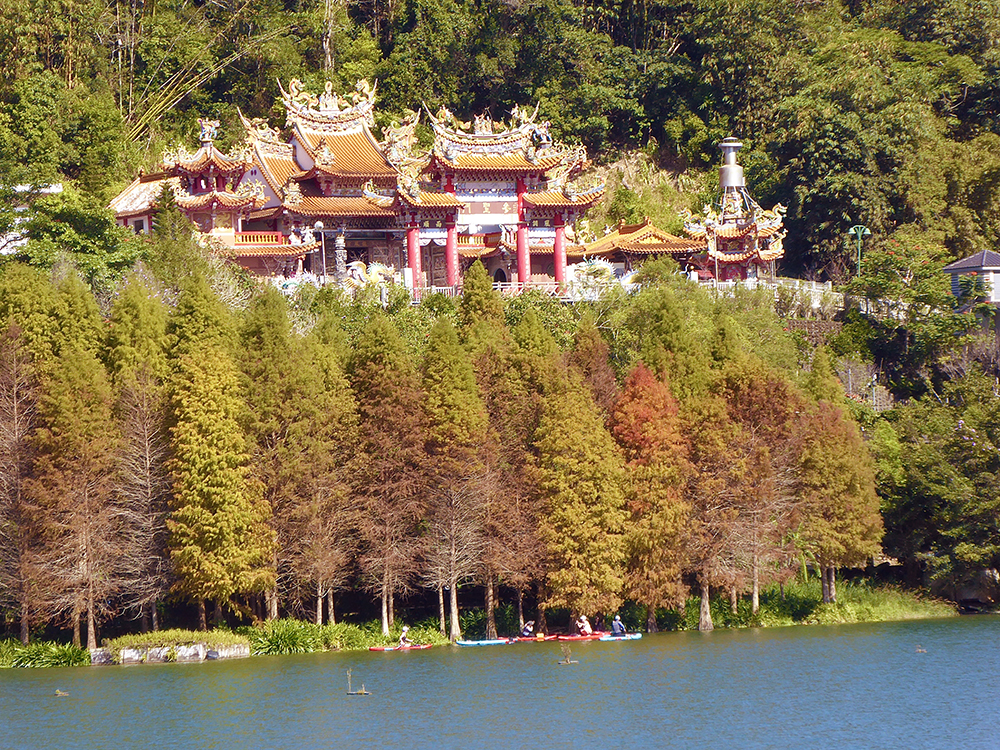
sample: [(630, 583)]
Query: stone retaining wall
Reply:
[(192, 652)]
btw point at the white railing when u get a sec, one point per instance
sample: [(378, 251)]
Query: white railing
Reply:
[(816, 294)]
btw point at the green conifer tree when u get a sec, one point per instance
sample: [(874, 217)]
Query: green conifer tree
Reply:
[(581, 488), (821, 384), (220, 540), (29, 301), (479, 302), (80, 323)]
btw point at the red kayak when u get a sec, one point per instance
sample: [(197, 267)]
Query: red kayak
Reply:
[(414, 647), (596, 636), (534, 638)]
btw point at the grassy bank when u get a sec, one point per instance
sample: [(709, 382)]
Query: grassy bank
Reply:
[(802, 604), (42, 654)]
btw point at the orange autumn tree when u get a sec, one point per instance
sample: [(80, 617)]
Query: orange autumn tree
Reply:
[(646, 424)]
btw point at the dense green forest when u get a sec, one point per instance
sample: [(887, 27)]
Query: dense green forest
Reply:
[(173, 432), (878, 112)]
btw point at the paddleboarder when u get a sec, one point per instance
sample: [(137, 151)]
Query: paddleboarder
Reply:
[(528, 631), (583, 626), (617, 626), (404, 640)]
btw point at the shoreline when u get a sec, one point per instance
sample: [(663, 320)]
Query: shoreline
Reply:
[(858, 604)]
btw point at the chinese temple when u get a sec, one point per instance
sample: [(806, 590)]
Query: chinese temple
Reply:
[(326, 192), (740, 241)]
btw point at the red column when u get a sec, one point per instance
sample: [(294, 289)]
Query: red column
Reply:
[(451, 251), (559, 250), (523, 253), (413, 251)]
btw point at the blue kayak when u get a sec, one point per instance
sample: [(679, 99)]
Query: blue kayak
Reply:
[(623, 637), (492, 642)]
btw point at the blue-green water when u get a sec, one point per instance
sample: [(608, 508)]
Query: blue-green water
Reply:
[(856, 686)]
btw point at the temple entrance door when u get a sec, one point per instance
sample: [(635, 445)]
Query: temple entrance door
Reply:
[(499, 277)]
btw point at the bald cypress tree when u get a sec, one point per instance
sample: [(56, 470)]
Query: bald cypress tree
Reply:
[(457, 427), (590, 357), (220, 541), (78, 528), (647, 426), (28, 316), (841, 524), (391, 471), (299, 414), (18, 417), (137, 359), (581, 490)]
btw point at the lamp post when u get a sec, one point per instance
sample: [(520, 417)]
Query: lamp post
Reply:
[(859, 232), (318, 226)]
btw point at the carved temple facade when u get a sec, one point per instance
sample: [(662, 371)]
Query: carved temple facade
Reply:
[(328, 192)]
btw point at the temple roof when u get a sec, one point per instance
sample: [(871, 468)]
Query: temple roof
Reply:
[(329, 112), (273, 251), (351, 154), (141, 195), (310, 205), (224, 199), (637, 239), (521, 146), (426, 199), (564, 199), (478, 245), (206, 158), (274, 157)]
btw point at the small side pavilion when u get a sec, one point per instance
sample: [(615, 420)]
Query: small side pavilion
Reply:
[(986, 264)]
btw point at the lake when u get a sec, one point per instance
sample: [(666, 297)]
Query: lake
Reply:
[(849, 686)]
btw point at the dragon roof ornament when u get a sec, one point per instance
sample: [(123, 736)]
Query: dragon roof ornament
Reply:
[(329, 112), (521, 136)]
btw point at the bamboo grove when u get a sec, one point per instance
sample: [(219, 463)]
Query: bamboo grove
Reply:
[(197, 438)]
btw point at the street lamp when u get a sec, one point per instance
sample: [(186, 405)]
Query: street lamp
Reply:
[(859, 232), (318, 226)]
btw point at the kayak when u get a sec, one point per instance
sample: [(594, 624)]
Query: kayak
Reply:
[(591, 637), (487, 642), (534, 638), (622, 637), (414, 647)]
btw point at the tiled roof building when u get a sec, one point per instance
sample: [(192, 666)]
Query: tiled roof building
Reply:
[(329, 192)]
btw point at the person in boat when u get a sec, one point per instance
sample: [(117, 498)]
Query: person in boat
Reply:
[(617, 626), (583, 626), (404, 639), (528, 631)]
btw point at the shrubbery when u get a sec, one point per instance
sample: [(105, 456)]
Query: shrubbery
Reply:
[(42, 654), (802, 604)]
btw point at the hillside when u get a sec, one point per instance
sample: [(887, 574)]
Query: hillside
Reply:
[(878, 113)]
